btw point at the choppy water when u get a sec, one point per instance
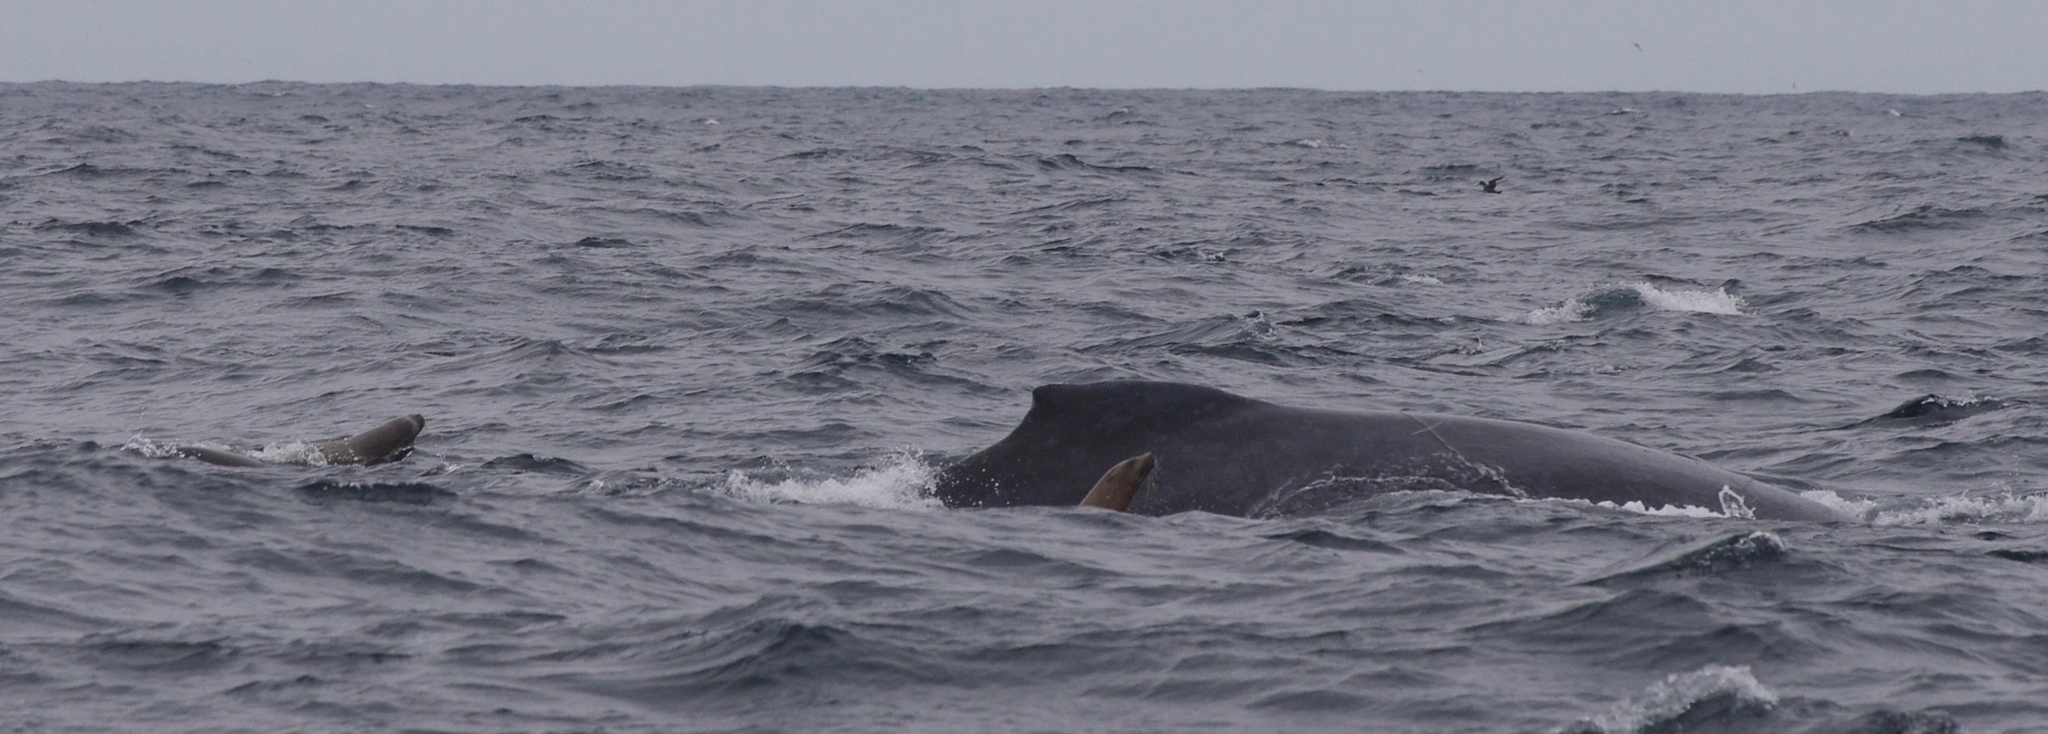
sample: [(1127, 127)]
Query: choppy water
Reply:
[(688, 356)]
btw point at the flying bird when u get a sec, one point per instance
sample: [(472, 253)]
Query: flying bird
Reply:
[(1489, 185)]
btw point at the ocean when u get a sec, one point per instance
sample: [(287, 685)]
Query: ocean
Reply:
[(690, 357)]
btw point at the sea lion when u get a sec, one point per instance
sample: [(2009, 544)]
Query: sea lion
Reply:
[(1118, 485)]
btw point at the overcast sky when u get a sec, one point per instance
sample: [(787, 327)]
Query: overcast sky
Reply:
[(1557, 45)]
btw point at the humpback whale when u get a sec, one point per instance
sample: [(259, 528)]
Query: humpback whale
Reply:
[(1231, 455), (386, 443)]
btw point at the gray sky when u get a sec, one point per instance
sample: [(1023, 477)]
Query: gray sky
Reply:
[(1558, 45)]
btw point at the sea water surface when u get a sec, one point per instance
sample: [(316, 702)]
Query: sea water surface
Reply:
[(689, 358)]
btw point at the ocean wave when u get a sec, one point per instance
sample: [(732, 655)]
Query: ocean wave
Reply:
[(1921, 218), (407, 493), (1716, 695), (1933, 410), (1736, 552)]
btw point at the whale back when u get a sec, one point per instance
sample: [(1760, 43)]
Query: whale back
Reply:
[(1232, 455), (1073, 432), (386, 443)]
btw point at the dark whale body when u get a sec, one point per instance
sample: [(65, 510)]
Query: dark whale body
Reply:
[(1232, 455), (389, 442)]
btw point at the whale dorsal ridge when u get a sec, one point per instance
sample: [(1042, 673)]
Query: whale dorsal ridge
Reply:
[(1130, 403)]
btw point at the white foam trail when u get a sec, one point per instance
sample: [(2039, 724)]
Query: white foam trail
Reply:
[(1637, 506), (1950, 510), (1641, 508), (1718, 300), (153, 450), (1848, 507), (1953, 510), (1738, 509), (899, 482), (1666, 700)]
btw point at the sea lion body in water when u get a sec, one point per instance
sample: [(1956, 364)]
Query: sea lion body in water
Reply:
[(386, 443), (1120, 484), (1232, 455)]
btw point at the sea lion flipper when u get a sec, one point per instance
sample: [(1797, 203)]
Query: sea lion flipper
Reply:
[(389, 442), (1118, 485)]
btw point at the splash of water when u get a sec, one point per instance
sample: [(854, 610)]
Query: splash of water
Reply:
[(901, 481), (1716, 301), (1685, 300)]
